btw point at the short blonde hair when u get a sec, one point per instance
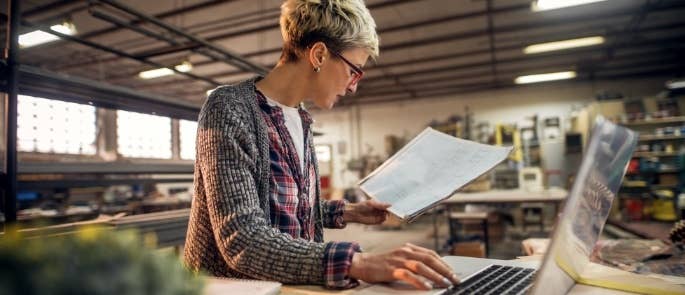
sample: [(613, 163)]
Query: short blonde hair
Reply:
[(340, 24)]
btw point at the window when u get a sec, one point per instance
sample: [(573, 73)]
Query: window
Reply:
[(143, 136), (53, 126), (187, 134)]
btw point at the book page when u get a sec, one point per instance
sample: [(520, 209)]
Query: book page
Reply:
[(429, 169)]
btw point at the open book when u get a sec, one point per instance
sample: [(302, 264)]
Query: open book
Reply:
[(428, 170)]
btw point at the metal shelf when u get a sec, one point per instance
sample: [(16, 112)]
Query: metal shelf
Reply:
[(660, 137), (655, 121), (663, 186), (651, 186), (662, 171), (656, 154), (104, 168), (69, 183)]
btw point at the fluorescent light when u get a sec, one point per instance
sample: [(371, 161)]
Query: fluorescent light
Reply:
[(161, 72), (156, 73), (39, 37), (675, 84), (184, 67), (65, 28), (541, 5), (545, 77), (566, 44)]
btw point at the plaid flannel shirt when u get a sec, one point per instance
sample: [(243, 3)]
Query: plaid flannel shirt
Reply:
[(293, 199)]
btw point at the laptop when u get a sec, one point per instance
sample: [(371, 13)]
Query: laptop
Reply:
[(575, 234)]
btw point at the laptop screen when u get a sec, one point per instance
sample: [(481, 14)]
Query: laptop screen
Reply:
[(587, 207)]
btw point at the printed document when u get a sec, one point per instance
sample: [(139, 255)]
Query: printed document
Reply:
[(428, 170)]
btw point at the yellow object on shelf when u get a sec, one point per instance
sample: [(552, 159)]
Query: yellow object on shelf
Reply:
[(663, 207), (634, 183), (508, 135)]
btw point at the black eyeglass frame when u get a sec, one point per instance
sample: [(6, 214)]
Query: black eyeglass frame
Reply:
[(359, 73)]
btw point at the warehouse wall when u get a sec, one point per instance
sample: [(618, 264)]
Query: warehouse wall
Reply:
[(361, 130)]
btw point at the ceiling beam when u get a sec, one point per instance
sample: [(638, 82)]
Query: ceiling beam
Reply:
[(676, 41), (48, 7), (440, 93), (190, 46), (163, 15), (228, 56), (473, 53), (498, 30), (123, 54), (141, 30), (42, 83), (473, 33), (436, 58), (634, 62), (653, 55)]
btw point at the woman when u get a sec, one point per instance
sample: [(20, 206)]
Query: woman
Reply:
[(257, 212)]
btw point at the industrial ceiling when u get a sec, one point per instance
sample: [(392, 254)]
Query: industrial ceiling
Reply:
[(429, 48)]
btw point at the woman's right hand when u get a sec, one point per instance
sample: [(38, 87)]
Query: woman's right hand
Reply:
[(415, 265)]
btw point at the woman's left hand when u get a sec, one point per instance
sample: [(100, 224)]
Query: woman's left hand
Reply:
[(366, 212)]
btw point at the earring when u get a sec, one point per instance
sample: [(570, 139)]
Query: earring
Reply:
[(317, 69)]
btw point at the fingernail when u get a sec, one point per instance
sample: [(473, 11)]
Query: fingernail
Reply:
[(446, 282), (428, 285), (455, 278)]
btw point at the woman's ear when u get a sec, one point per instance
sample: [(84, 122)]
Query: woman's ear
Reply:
[(317, 54)]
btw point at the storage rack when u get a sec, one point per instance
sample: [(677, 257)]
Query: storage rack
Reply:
[(648, 179)]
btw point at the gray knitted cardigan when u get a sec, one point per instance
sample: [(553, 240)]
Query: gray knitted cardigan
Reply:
[(229, 233)]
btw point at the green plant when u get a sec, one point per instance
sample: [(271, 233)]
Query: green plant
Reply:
[(92, 261)]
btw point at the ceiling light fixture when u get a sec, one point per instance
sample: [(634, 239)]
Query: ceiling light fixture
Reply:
[(541, 5), (561, 45), (675, 84), (184, 67), (545, 77), (40, 37)]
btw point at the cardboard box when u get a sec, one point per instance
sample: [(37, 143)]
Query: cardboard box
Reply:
[(470, 249)]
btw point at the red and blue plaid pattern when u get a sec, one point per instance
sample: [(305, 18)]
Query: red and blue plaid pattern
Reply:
[(293, 199)]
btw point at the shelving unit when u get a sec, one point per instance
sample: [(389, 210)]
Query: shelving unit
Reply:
[(656, 168)]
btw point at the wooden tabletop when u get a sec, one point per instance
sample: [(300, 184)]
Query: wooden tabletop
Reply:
[(508, 196)]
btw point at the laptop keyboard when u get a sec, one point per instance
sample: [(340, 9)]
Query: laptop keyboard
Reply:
[(496, 279)]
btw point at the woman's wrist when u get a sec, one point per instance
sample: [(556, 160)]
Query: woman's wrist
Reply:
[(356, 267), (348, 213)]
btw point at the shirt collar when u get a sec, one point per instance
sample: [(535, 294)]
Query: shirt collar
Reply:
[(278, 112)]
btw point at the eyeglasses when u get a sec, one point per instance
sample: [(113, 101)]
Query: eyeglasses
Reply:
[(357, 72)]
